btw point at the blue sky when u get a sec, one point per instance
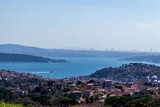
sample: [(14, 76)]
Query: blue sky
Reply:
[(97, 24)]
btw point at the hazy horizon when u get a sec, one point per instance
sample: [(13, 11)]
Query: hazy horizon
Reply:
[(81, 24), (85, 49)]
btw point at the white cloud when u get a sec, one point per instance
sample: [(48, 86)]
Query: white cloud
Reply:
[(158, 22), (142, 25), (149, 24)]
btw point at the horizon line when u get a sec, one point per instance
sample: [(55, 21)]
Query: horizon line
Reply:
[(87, 49)]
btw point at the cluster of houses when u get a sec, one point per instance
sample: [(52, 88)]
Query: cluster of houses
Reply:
[(10, 75), (7, 75), (102, 88), (81, 88)]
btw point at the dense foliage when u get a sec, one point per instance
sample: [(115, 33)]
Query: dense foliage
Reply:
[(6, 95), (132, 101), (130, 71)]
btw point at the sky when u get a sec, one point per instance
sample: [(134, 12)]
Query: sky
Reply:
[(81, 24)]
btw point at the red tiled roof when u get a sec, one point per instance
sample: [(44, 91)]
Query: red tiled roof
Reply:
[(112, 95), (101, 89), (137, 91), (72, 84), (76, 92), (128, 89), (108, 80), (90, 84), (133, 86), (89, 90)]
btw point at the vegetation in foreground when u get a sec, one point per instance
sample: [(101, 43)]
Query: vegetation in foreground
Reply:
[(9, 105)]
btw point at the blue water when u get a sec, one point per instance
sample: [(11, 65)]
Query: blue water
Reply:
[(76, 67)]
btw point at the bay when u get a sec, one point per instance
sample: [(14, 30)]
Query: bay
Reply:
[(77, 66)]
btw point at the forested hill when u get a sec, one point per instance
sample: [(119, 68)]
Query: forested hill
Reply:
[(130, 72), (152, 59), (6, 57)]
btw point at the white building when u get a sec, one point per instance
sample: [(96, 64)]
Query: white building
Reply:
[(154, 80)]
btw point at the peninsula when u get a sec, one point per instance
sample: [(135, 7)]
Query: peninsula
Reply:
[(7, 57)]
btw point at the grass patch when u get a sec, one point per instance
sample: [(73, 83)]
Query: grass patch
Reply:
[(9, 105)]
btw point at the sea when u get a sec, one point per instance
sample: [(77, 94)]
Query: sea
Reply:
[(77, 66)]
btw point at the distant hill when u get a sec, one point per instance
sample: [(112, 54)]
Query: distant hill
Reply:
[(128, 72), (152, 58), (6, 57), (19, 49)]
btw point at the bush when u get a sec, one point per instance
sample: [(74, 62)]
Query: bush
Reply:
[(67, 101), (127, 101)]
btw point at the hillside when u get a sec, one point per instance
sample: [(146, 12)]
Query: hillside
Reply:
[(19, 49), (128, 72), (152, 58), (6, 57)]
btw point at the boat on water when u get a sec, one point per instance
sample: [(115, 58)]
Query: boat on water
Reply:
[(51, 71)]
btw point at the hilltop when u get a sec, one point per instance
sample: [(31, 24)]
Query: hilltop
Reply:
[(7, 57), (128, 72)]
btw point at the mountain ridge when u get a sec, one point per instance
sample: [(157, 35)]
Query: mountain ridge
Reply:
[(20, 49)]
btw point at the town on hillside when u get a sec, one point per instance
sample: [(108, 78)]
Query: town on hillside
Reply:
[(83, 90)]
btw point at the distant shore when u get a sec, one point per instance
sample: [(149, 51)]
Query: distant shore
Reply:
[(23, 58)]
